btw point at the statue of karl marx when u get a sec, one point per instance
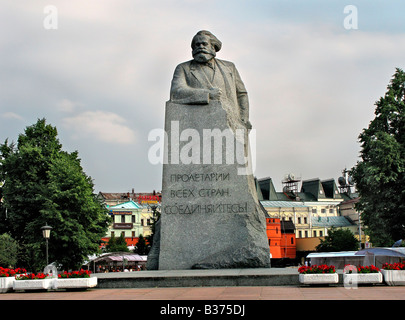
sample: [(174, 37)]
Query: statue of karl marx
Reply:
[(207, 78)]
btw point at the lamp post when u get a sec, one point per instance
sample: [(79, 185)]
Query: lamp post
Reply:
[(46, 232)]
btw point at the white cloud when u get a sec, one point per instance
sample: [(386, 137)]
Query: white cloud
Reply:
[(12, 115), (68, 106), (104, 126), (312, 84), (312, 91)]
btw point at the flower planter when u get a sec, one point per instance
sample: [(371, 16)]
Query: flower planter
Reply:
[(41, 284), (6, 284), (319, 278), (394, 277), (75, 283), (362, 278)]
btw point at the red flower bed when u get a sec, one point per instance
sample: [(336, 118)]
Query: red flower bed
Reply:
[(31, 276), (75, 274), (323, 268), (7, 272), (368, 269), (394, 266), (361, 269)]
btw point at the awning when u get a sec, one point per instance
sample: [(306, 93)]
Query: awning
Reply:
[(388, 252), (131, 257), (332, 254), (119, 257)]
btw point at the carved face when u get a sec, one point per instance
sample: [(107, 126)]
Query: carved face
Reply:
[(203, 50)]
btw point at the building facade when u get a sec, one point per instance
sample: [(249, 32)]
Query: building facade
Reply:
[(129, 219), (115, 198), (126, 222), (281, 237), (143, 205), (347, 209), (312, 209)]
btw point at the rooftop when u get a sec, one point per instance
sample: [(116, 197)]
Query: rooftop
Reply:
[(282, 204), (330, 222), (127, 205), (311, 190)]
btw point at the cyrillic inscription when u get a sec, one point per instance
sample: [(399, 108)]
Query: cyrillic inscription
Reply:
[(206, 208)]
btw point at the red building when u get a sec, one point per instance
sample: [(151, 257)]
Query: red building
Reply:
[(281, 236)]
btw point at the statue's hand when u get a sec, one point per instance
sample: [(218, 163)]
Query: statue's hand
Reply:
[(215, 93)]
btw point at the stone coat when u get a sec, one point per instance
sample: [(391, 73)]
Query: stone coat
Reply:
[(190, 85)]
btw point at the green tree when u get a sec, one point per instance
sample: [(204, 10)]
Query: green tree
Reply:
[(44, 184), (141, 247), (8, 251), (155, 218), (3, 212), (117, 244), (338, 240), (379, 176)]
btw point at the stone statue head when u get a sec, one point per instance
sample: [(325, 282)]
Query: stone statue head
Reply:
[(204, 46)]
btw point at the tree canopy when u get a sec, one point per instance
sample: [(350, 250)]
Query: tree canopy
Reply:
[(141, 247), (338, 240), (8, 251), (44, 184), (379, 176), (117, 244)]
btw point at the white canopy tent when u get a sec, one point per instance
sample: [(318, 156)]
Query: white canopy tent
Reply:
[(379, 256), (338, 259), (365, 257), (118, 259)]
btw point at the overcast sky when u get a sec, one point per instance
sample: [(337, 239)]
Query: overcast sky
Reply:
[(103, 77)]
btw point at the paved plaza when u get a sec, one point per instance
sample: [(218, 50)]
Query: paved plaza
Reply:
[(220, 284), (380, 292), (208, 302)]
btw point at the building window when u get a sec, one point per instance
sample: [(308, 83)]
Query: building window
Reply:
[(299, 220), (148, 221), (314, 210), (299, 234), (122, 218), (142, 222), (276, 230), (305, 220), (112, 234), (321, 233), (314, 233), (323, 210), (306, 234), (133, 234), (133, 219), (331, 210), (269, 242), (292, 240)]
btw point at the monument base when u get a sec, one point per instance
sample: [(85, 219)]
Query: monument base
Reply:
[(255, 277), (210, 215)]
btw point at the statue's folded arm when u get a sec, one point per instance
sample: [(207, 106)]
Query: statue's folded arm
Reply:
[(181, 92)]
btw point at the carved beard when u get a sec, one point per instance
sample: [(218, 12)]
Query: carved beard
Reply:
[(203, 55)]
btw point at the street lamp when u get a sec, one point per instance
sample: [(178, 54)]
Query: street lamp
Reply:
[(46, 232)]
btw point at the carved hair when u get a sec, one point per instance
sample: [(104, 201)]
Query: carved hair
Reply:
[(213, 39)]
